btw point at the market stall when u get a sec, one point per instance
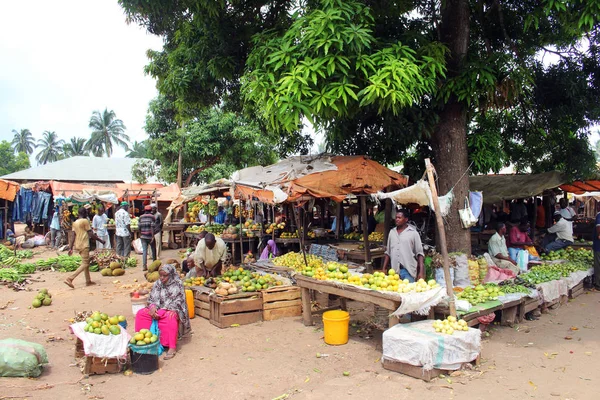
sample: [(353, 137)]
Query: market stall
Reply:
[(8, 194)]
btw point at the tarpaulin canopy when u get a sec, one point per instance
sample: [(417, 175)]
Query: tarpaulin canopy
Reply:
[(496, 188), (581, 187), (217, 188), (354, 175), (166, 193)]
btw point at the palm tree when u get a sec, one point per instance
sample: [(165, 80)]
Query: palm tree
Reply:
[(106, 130), (138, 150), (23, 141), (76, 147), (51, 148)]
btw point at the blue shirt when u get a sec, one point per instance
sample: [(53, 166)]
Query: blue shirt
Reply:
[(347, 225), (55, 224), (220, 217), (596, 240)]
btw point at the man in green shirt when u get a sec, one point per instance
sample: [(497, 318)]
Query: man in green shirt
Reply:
[(498, 250)]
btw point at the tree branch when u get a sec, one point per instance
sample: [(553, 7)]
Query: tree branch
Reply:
[(209, 163)]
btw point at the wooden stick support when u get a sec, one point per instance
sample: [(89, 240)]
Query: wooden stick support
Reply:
[(363, 207), (442, 232)]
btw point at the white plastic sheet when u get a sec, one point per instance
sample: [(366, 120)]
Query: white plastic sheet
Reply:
[(420, 303), (418, 344), (110, 346)]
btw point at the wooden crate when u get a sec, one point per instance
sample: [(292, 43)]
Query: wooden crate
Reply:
[(241, 309), (418, 372), (201, 302), (281, 301), (79, 352), (100, 366), (577, 290)]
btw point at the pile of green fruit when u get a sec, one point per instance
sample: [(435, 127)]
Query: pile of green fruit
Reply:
[(131, 262), (481, 293), (570, 254), (63, 263), (43, 298), (143, 337), (550, 272), (101, 324), (514, 287)]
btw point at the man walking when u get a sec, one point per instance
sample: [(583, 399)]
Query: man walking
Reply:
[(81, 239), (99, 227), (55, 234), (404, 249), (158, 226), (123, 230), (147, 229)]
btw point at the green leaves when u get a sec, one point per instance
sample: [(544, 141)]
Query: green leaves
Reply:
[(329, 64)]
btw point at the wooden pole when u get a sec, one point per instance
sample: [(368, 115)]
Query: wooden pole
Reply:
[(442, 235), (338, 221), (300, 237), (241, 239), (386, 222), (363, 209)]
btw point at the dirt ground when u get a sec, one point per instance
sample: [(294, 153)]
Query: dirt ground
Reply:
[(278, 359)]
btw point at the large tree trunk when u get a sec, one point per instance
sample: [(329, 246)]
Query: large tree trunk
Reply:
[(449, 140)]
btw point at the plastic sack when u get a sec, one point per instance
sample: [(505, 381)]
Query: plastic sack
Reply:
[(461, 273), (439, 276), (19, 358), (523, 260), (137, 246), (418, 344), (152, 348)]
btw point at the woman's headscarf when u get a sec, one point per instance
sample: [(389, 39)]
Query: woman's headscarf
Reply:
[(171, 296), (270, 248)]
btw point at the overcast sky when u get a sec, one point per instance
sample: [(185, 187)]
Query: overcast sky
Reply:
[(61, 60)]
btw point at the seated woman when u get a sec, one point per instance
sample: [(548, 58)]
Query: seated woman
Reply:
[(269, 251), (167, 305)]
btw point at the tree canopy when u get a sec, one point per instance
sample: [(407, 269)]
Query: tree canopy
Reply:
[(50, 148), (213, 145), (23, 141), (107, 131), (75, 147), (11, 162), (466, 82)]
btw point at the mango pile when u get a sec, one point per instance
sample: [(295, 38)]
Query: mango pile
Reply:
[(249, 281), (43, 298), (143, 338), (101, 324), (481, 293), (449, 325), (569, 253), (550, 272)]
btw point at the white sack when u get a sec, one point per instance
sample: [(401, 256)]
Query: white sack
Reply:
[(418, 344), (110, 346)]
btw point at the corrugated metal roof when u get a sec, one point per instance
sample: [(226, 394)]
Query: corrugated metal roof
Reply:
[(79, 169)]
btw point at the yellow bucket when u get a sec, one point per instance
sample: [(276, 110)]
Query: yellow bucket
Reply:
[(189, 298), (335, 325)]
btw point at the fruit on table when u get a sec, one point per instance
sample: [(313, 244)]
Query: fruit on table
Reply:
[(43, 298), (352, 236), (226, 288), (550, 272), (197, 281), (101, 324), (481, 293), (450, 325), (570, 254), (134, 223), (295, 261), (195, 228), (143, 338)]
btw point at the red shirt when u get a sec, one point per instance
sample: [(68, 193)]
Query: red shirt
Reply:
[(516, 236)]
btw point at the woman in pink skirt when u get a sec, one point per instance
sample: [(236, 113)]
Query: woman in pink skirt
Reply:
[(167, 305)]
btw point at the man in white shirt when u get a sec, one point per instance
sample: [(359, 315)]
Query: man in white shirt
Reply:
[(560, 235), (209, 256), (123, 230), (405, 250), (99, 228)]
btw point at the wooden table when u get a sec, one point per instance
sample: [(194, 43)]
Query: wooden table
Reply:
[(385, 300)]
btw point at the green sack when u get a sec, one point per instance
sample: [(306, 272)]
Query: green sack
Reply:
[(21, 358)]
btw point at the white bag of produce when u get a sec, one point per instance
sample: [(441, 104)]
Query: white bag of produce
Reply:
[(137, 246), (109, 346), (461, 273), (418, 344), (439, 276)]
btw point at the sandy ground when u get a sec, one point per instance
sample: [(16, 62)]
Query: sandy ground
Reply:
[(277, 359)]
